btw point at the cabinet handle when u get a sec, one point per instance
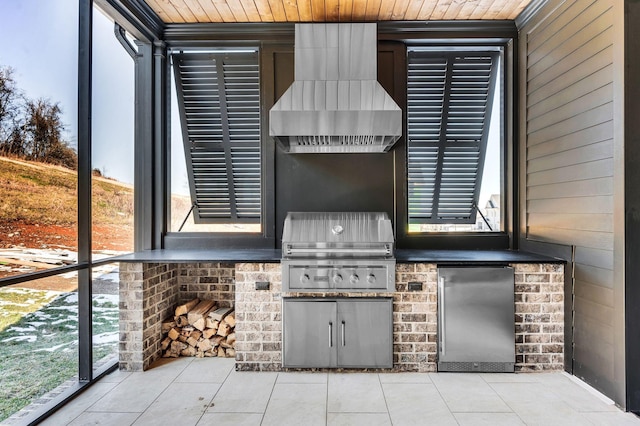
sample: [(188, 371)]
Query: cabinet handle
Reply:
[(343, 337), (441, 317), (330, 334)]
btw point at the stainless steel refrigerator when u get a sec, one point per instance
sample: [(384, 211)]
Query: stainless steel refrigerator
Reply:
[(476, 319)]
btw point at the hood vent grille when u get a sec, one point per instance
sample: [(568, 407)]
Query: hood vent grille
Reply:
[(335, 103)]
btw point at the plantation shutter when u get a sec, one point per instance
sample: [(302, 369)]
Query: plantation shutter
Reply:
[(449, 100), (219, 104)]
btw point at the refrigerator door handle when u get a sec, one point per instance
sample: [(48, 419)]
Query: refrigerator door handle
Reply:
[(442, 315), (344, 343)]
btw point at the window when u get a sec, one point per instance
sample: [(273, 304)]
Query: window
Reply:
[(450, 111), (112, 165), (38, 139), (112, 141), (218, 99)]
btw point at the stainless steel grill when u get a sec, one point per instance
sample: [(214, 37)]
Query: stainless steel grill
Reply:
[(350, 251)]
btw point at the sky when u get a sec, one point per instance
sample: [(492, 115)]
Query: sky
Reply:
[(44, 55)]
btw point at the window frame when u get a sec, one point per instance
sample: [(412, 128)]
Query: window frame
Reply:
[(279, 37), (450, 140), (502, 239), (265, 238), (214, 141)]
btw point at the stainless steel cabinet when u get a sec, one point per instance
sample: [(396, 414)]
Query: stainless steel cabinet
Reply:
[(327, 333), (476, 330)]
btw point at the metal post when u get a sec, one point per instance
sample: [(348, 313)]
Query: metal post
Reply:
[(144, 157), (160, 142), (85, 349)]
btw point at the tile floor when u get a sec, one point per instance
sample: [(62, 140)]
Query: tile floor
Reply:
[(191, 391)]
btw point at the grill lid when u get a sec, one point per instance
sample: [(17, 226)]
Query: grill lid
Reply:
[(355, 234)]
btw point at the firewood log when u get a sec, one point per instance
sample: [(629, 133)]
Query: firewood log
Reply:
[(231, 353), (220, 313), (199, 324), (168, 325), (174, 333), (231, 320), (186, 307), (209, 332), (200, 310), (204, 345), (189, 351), (165, 343), (177, 346), (231, 338), (211, 323), (182, 321), (221, 352), (223, 329)]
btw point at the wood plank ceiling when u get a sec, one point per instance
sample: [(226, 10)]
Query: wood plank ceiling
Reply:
[(192, 11)]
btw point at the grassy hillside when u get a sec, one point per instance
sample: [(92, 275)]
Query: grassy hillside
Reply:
[(36, 193), (41, 198)]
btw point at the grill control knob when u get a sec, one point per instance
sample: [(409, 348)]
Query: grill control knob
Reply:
[(337, 278), (371, 279), (304, 278), (354, 278)]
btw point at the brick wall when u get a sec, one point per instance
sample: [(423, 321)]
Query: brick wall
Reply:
[(415, 316), (258, 317), (148, 294), (212, 281), (539, 297)]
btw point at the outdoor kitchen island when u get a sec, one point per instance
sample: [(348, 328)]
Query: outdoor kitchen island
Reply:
[(152, 283)]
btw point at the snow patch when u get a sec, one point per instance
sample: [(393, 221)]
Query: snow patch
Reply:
[(29, 339)]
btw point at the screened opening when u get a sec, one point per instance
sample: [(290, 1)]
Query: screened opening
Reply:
[(216, 181), (112, 141), (453, 141)]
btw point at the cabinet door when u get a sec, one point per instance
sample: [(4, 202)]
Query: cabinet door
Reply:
[(365, 333), (310, 333)]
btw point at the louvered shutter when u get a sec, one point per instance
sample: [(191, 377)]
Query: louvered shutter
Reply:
[(449, 100), (219, 103)]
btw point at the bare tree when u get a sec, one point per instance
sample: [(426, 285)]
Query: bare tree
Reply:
[(10, 102), (43, 130), (31, 129), (13, 145)]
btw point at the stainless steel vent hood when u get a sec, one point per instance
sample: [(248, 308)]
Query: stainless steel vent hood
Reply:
[(335, 103)]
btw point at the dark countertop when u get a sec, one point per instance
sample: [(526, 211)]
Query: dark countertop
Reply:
[(455, 257), (442, 257), (209, 255)]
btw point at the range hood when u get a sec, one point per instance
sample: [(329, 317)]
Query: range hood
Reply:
[(335, 104)]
